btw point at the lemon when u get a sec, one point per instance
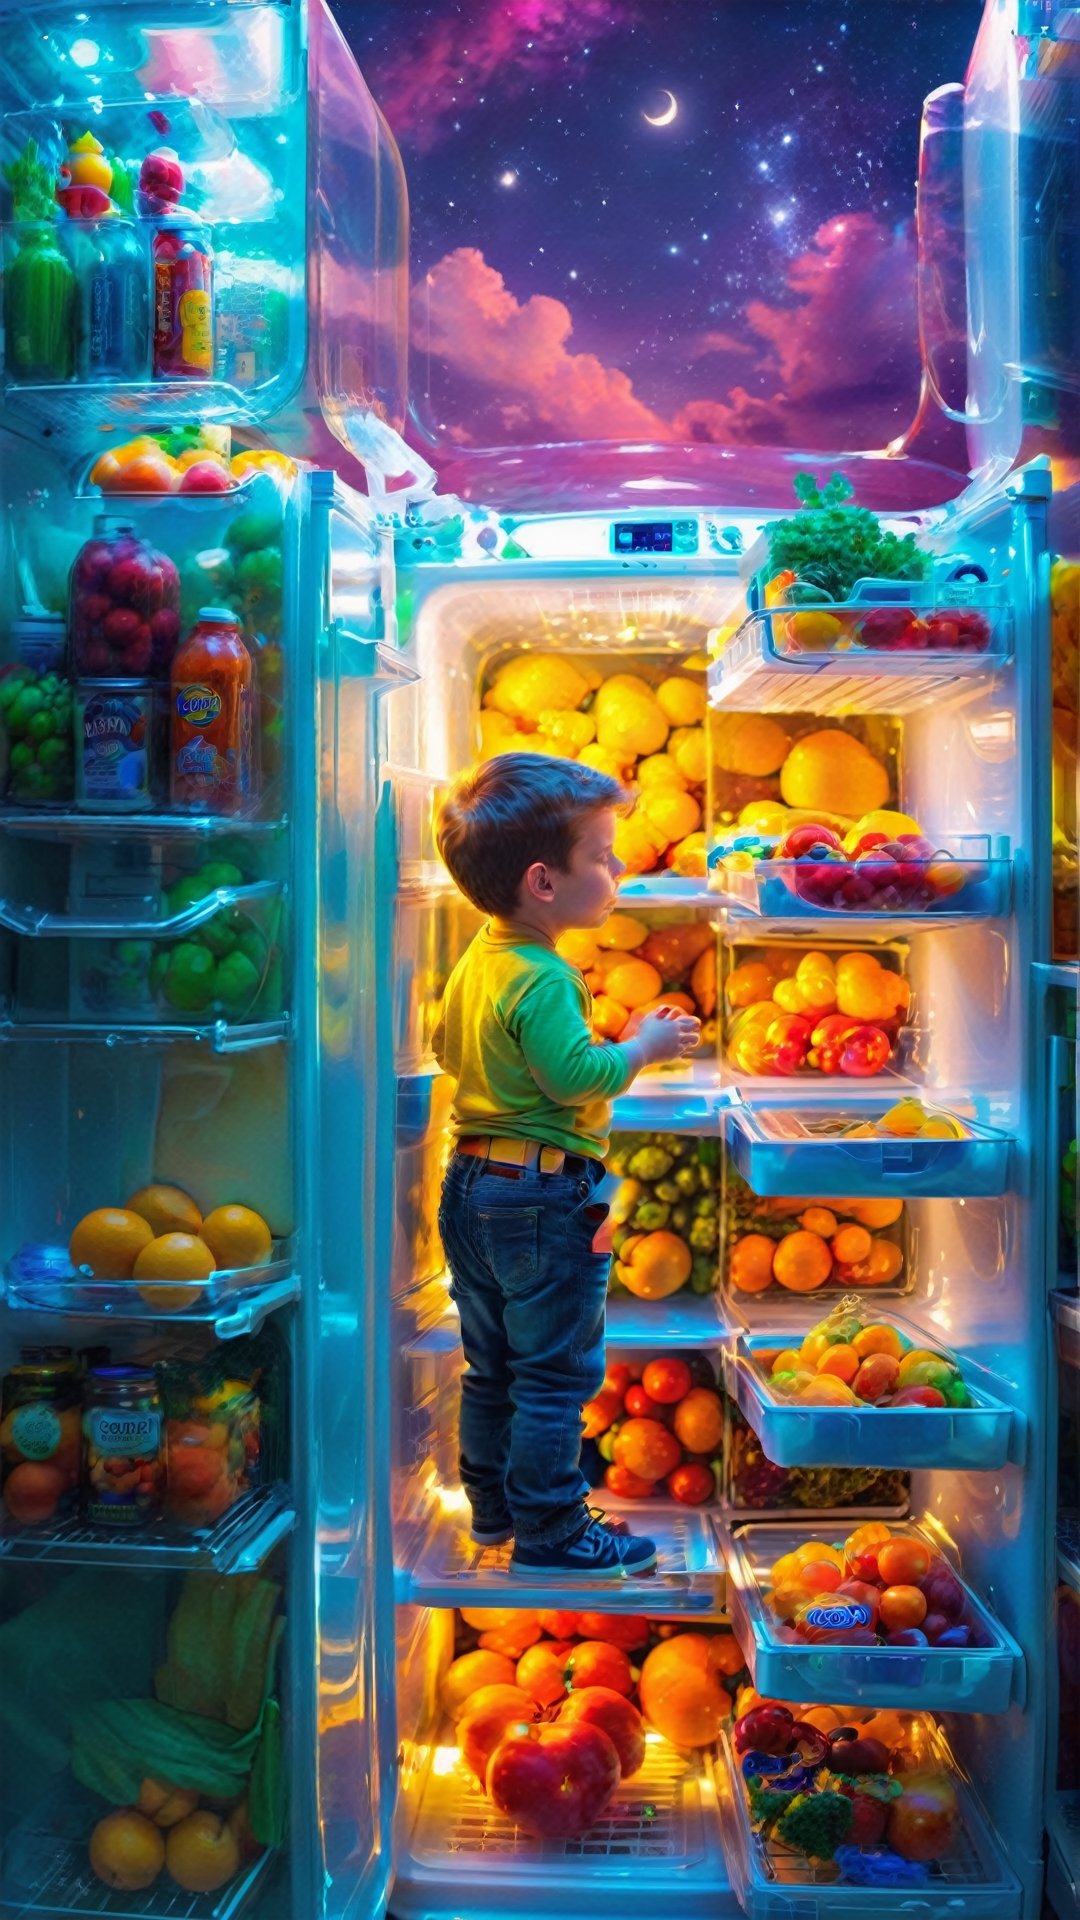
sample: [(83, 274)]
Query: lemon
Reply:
[(882, 820), (682, 701), (623, 932), (830, 768), (534, 681), (750, 743)]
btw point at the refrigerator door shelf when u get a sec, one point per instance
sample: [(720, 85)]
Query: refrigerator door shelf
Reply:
[(982, 1679), (677, 1099), (661, 1829), (239, 1543), (46, 1871), (769, 889), (218, 1035), (773, 1883), (666, 890), (41, 1279), (688, 1320), (445, 1568), (762, 670), (804, 1149), (22, 823), (986, 1434)]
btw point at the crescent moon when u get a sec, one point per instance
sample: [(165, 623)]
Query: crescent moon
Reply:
[(663, 119)]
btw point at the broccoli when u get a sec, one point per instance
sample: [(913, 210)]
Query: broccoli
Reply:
[(766, 1803), (815, 1824), (831, 545)]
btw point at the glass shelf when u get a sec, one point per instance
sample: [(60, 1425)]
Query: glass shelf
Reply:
[(766, 668), (218, 1035), (82, 409), (25, 823), (667, 890), (232, 1301), (805, 1149), (778, 890), (984, 1435), (773, 1882), (679, 1099), (683, 1319), (972, 1679), (239, 1543), (47, 1870), (443, 1567)]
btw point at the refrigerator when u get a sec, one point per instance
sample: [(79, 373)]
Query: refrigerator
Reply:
[(397, 633)]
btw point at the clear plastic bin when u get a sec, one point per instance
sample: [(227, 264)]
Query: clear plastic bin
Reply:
[(756, 1488), (749, 1218), (984, 1435), (809, 1148), (773, 1882), (41, 1279), (803, 890), (972, 1679), (784, 1019), (668, 1183)]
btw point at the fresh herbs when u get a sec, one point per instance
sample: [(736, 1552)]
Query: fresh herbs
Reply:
[(830, 545)]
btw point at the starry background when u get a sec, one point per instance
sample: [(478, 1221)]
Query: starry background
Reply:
[(744, 274)]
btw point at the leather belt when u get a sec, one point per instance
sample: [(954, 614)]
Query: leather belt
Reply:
[(514, 1155)]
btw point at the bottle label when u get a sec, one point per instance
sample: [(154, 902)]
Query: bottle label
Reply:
[(196, 341), (130, 1433), (35, 1431), (198, 705)]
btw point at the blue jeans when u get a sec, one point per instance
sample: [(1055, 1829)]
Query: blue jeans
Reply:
[(531, 1293)]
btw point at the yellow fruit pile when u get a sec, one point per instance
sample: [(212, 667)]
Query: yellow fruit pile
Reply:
[(910, 1120), (200, 1848), (160, 1235), (632, 967), (649, 735)]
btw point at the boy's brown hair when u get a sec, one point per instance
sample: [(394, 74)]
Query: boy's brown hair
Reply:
[(507, 813)]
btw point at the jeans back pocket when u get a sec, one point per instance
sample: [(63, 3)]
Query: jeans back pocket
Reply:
[(511, 1239)]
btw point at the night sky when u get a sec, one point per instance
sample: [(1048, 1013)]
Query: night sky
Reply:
[(743, 273)]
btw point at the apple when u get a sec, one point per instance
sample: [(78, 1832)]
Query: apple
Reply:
[(766, 1729), (554, 1781), (207, 476), (489, 1714), (922, 1822), (918, 1397), (858, 1755), (617, 1717), (868, 1818)]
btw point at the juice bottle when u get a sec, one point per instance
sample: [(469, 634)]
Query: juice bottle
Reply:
[(183, 301), (210, 717), (39, 299)]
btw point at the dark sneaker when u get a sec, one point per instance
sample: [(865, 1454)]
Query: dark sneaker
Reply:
[(594, 1554), (493, 1533)]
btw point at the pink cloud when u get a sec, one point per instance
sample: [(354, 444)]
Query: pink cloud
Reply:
[(716, 342), (431, 79), (514, 354)]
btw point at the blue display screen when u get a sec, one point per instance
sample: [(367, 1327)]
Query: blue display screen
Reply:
[(636, 536)]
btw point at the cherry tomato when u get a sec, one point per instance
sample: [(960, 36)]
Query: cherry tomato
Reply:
[(640, 1406), (630, 1485), (902, 1607), (904, 1562), (691, 1484), (667, 1379)]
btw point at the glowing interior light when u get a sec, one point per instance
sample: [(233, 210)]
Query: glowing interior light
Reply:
[(444, 1760), (85, 53)]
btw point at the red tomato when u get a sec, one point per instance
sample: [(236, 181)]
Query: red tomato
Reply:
[(641, 1406), (615, 1716), (596, 1663), (561, 1626), (626, 1630), (666, 1379), (902, 1607), (630, 1486), (554, 1781), (691, 1484), (903, 1562)]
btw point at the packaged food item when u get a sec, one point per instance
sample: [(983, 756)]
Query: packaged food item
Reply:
[(39, 301), (214, 1442), (123, 1447), (40, 1436), (113, 303), (183, 300), (210, 729), (124, 606), (118, 735)]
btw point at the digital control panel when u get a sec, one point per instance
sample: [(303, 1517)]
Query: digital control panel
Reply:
[(654, 536)]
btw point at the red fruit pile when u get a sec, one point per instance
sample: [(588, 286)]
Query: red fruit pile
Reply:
[(880, 1588), (877, 873), (659, 1426), (902, 630), (125, 611)]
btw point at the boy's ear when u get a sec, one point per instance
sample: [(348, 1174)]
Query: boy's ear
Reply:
[(537, 882)]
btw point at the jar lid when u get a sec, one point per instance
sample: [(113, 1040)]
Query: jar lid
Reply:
[(223, 616), (124, 1376)]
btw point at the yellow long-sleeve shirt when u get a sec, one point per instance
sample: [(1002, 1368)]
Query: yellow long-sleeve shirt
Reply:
[(515, 1036)]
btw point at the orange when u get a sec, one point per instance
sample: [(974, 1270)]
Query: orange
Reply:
[(105, 472), (237, 1237), (751, 1265), (173, 1256), (32, 1492), (470, 1672), (840, 1361), (819, 1550), (164, 1804), (749, 984), (609, 1016), (622, 932), (202, 1853), (109, 1241), (165, 1209), (830, 768), (632, 982), (699, 1420), (882, 1265), (825, 1390), (672, 813), (750, 743), (580, 949), (514, 1639), (874, 1214), (149, 474), (819, 1220), (682, 1001), (654, 1265), (682, 701), (485, 1619), (786, 1361), (802, 1261), (878, 1338), (850, 1244), (687, 748), (680, 1690), (127, 1851)]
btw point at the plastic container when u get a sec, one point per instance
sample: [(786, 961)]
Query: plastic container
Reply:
[(113, 300), (983, 1435), (41, 1279), (670, 1183), (183, 300), (755, 1487), (124, 606), (789, 1012), (747, 1220), (807, 1149), (213, 1441), (39, 305), (772, 1882), (972, 1679), (970, 877)]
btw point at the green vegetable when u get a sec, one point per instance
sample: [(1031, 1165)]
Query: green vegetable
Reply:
[(704, 1235), (766, 1804), (188, 981), (667, 1191), (651, 1216), (649, 1163), (816, 1824), (830, 545), (236, 984)]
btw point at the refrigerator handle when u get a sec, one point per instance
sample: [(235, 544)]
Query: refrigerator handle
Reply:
[(942, 289)]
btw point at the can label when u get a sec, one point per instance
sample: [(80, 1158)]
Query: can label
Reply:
[(113, 768), (135, 1434), (35, 1430)]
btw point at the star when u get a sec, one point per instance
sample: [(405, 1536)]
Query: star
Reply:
[(508, 178)]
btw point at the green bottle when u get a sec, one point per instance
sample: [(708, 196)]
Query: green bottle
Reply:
[(39, 299)]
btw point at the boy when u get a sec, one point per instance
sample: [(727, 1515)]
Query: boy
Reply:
[(530, 841)]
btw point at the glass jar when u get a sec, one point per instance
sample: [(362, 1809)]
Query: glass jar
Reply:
[(124, 607), (39, 1436), (123, 1447)]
